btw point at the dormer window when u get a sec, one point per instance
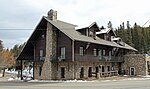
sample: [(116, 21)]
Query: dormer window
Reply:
[(90, 33)]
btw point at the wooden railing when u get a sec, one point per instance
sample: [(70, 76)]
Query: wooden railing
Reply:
[(98, 58)]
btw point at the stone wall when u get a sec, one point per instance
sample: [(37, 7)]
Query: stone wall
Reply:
[(73, 69), (137, 61), (50, 52)]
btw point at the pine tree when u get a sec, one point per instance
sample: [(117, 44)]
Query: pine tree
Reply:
[(129, 36), (109, 25)]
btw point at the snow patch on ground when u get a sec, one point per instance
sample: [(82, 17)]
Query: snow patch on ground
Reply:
[(60, 81)]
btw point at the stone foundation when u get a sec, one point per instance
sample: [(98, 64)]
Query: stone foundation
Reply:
[(137, 61), (73, 69)]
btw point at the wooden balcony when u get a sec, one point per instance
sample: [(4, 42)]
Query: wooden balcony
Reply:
[(98, 58)]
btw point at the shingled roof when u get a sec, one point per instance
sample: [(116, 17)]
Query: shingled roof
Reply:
[(69, 30)]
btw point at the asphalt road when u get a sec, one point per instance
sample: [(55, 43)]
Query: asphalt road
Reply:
[(120, 84)]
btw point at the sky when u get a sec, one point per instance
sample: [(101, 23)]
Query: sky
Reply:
[(18, 18)]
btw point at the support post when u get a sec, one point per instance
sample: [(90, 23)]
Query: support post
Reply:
[(21, 71)]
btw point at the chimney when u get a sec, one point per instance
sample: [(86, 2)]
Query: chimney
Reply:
[(52, 15)]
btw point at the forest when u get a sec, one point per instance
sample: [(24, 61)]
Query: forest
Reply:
[(137, 36)]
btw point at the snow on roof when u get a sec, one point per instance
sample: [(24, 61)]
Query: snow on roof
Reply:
[(82, 26), (103, 31), (116, 38)]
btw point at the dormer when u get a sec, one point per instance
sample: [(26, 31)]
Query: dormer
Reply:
[(106, 34), (90, 31), (118, 40)]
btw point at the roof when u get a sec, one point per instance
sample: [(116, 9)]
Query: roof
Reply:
[(69, 30), (116, 38), (106, 30), (87, 26)]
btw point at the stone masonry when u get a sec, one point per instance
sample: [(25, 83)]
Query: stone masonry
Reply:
[(50, 50), (137, 61), (71, 73)]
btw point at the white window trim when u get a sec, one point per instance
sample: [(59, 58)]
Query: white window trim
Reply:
[(62, 52), (81, 51), (95, 52)]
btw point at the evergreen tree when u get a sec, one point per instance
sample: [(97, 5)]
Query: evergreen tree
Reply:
[(109, 25), (1, 46)]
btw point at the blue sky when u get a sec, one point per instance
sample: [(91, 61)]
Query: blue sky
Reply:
[(18, 18)]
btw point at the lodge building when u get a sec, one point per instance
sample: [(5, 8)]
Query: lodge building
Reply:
[(60, 50)]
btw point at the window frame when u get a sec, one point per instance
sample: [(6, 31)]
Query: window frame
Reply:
[(81, 51), (95, 52), (63, 52)]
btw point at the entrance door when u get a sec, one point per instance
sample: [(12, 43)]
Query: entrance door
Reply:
[(132, 71), (90, 72), (62, 72), (82, 73)]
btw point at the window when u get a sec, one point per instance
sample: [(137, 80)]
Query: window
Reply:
[(90, 33), (94, 52), (81, 51), (108, 68), (41, 54), (62, 53), (109, 55), (104, 52), (99, 52)]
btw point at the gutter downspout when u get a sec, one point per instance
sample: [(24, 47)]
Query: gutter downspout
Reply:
[(34, 64), (73, 57)]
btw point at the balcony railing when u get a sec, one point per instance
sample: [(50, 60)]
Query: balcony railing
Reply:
[(98, 58)]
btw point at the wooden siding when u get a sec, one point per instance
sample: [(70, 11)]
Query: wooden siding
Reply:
[(83, 31), (64, 41), (40, 45), (88, 51)]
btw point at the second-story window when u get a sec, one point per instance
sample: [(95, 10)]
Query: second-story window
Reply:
[(100, 53), (104, 52), (41, 54), (109, 54), (62, 53), (81, 51), (94, 52)]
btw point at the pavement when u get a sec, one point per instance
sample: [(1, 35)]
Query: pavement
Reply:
[(12, 77), (119, 84)]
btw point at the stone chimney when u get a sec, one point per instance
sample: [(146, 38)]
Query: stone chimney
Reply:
[(52, 15)]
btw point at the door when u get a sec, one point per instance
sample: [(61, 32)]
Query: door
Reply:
[(97, 70), (132, 71), (82, 73), (90, 72), (62, 72)]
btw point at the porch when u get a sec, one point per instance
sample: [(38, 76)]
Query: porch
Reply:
[(98, 58)]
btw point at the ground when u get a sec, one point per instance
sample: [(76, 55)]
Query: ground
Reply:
[(104, 83), (118, 84)]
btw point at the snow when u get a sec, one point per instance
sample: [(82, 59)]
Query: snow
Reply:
[(65, 81), (83, 26), (11, 79), (0, 75), (29, 76), (116, 38), (103, 31)]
